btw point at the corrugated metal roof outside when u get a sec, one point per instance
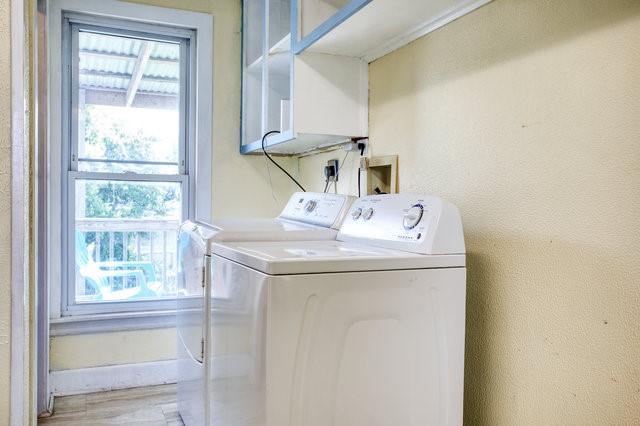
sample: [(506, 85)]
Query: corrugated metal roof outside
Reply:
[(106, 64), (103, 82), (162, 69), (158, 87), (109, 44), (165, 50), (104, 54)]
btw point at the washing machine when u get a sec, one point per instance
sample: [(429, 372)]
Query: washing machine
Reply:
[(306, 216), (363, 330)]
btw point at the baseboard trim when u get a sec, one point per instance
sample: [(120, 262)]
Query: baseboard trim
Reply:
[(111, 377), (123, 376)]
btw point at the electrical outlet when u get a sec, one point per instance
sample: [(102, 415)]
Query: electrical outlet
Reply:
[(331, 171), (356, 145)]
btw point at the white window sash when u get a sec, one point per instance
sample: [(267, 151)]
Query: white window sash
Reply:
[(70, 164), (76, 22), (71, 307)]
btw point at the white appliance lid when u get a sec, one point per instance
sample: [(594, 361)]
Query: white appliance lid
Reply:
[(307, 216), (254, 230), (307, 257), (267, 230)]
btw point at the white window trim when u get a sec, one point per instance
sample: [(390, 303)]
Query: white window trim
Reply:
[(202, 77)]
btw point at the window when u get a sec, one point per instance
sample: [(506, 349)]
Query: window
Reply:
[(127, 162)]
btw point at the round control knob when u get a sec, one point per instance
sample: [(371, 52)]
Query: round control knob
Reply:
[(412, 216), (310, 206), (366, 215), (355, 215)]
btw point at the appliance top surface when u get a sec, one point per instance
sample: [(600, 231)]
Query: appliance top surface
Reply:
[(205, 235), (307, 216), (303, 257), (259, 225)]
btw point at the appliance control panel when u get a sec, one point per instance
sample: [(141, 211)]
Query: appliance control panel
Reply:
[(313, 208), (415, 223)]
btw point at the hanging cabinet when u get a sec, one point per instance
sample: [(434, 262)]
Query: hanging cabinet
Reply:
[(317, 18), (313, 99), (370, 29), (305, 64)]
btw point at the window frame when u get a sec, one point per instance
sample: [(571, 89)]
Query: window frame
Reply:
[(195, 173), (73, 24)]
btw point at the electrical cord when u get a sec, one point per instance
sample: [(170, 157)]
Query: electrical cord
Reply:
[(343, 160), (326, 186), (276, 164), (361, 147)]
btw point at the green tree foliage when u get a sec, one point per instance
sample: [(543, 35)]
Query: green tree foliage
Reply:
[(123, 199), (105, 138)]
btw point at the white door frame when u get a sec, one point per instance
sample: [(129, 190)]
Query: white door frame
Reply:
[(43, 401), (20, 262)]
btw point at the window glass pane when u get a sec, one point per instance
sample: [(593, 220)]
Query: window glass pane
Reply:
[(128, 104), (126, 240)]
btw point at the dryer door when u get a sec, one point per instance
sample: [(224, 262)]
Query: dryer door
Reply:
[(193, 266), (237, 344)]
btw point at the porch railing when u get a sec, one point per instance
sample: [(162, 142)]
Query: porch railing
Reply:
[(133, 240)]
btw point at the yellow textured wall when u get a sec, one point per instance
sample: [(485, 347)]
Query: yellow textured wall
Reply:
[(5, 209), (99, 349), (526, 114), (130, 347), (240, 186)]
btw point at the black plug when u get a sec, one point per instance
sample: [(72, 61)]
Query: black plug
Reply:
[(331, 171), (361, 147), (378, 191)]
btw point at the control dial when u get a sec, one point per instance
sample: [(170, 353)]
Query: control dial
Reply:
[(310, 206), (366, 215), (413, 216), (355, 215)]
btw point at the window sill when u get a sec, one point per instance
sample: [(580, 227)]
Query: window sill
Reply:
[(130, 321), (102, 323)]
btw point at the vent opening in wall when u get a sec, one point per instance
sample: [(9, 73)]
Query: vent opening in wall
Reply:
[(382, 175)]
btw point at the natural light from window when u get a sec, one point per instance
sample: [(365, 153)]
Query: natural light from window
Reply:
[(127, 194)]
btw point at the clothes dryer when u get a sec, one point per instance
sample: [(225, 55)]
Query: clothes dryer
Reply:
[(307, 216)]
